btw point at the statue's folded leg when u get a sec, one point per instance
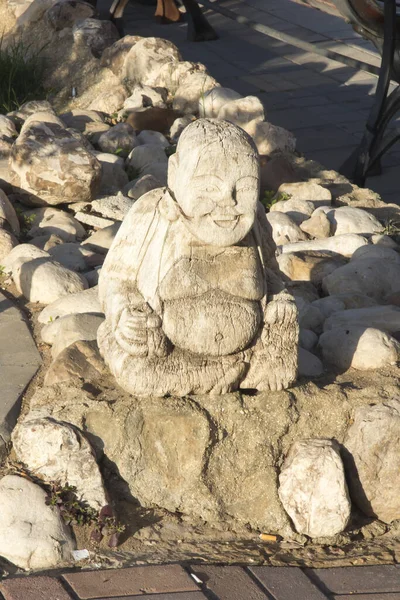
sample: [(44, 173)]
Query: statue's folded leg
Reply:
[(274, 356), (178, 373)]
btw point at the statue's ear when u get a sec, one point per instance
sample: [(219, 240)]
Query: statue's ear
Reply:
[(172, 169)]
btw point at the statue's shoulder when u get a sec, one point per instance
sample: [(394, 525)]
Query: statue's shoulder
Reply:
[(149, 202)]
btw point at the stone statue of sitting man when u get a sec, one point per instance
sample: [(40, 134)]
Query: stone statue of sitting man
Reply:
[(192, 302)]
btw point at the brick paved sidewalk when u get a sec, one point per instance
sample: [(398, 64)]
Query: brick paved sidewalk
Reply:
[(173, 582), (325, 103)]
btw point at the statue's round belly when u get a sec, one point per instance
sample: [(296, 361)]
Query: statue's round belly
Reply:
[(214, 324)]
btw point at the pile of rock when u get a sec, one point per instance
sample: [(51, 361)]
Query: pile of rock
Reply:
[(349, 309)]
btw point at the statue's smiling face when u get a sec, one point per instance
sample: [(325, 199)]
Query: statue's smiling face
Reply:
[(217, 191)]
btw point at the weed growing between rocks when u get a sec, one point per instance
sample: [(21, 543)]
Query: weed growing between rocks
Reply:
[(269, 198), (76, 512), (21, 76)]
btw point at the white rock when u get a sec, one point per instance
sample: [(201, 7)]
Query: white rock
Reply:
[(309, 364), (322, 210), (137, 188), (31, 107), (313, 490), (191, 90), (359, 347), (45, 281), (144, 96), (153, 137), (172, 74), (49, 221), (384, 318), (114, 56), (284, 229), (66, 330), (297, 210), (355, 300), (46, 117), (372, 459), (318, 226), (380, 252), (93, 277), (383, 240), (96, 35), (110, 101), (312, 266), (53, 166), (329, 305), (157, 170), (7, 127), (310, 317), (6, 144), (212, 101), (26, 251), (8, 242), (347, 219), (64, 13), (32, 534), (243, 111), (345, 245), (113, 207), (308, 339), (8, 216), (83, 302), (179, 125), (108, 158), (60, 452), (71, 255), (146, 58), (80, 119), (270, 138), (119, 139), (142, 157), (101, 240), (93, 220), (113, 176), (376, 278), (307, 190)]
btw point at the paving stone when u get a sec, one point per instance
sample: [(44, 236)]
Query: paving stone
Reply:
[(287, 583), (129, 582), (33, 588), (19, 361), (357, 580), (177, 596), (379, 596), (229, 583)]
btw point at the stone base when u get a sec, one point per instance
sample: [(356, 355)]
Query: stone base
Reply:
[(213, 458)]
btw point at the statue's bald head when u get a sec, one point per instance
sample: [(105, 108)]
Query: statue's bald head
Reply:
[(215, 173)]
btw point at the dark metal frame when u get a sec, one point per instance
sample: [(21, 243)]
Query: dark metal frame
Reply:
[(383, 32)]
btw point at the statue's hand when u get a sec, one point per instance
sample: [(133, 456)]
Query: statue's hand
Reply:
[(281, 310), (139, 332)]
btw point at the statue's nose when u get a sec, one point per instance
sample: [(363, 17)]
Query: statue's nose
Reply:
[(227, 201)]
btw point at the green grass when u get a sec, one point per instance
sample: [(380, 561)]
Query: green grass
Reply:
[(21, 76)]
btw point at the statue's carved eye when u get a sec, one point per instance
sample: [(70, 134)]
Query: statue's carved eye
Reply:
[(211, 189)]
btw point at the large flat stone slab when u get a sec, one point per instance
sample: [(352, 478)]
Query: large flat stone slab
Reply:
[(19, 361)]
